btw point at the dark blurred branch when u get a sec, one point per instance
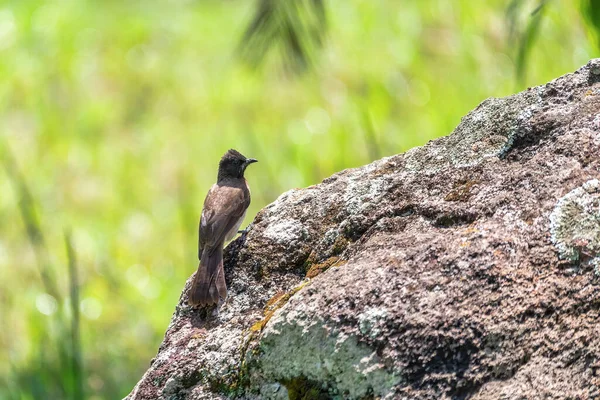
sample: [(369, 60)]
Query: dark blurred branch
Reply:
[(524, 39), (32, 225), (590, 10), (76, 358), (297, 27)]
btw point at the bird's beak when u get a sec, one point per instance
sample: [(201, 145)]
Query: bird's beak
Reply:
[(250, 161)]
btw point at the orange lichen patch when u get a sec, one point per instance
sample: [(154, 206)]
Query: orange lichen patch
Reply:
[(257, 327), (310, 260), (280, 298), (589, 92), (385, 169), (340, 244), (199, 334), (471, 229), (274, 300), (316, 269), (461, 190), (274, 304), (465, 244)]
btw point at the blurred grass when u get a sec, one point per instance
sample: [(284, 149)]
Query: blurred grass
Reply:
[(118, 112)]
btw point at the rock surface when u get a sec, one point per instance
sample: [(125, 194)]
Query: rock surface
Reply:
[(466, 268)]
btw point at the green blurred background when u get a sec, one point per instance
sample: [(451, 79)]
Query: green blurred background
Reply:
[(114, 114)]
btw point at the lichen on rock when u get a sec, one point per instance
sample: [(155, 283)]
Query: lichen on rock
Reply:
[(371, 322), (294, 345), (575, 223)]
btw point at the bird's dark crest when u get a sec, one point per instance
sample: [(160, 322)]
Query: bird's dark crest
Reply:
[(233, 155)]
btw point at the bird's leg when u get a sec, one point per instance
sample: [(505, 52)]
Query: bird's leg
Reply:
[(243, 233), (215, 311)]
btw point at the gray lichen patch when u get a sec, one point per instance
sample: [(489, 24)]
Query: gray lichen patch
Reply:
[(274, 391), (489, 131), (360, 195), (575, 223), (372, 322), (286, 231), (296, 345)]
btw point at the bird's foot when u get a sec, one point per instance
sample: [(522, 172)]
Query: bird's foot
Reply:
[(244, 232)]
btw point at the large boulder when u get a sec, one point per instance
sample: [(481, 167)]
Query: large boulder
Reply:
[(466, 268)]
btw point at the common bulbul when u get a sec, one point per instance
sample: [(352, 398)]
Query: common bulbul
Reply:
[(223, 212)]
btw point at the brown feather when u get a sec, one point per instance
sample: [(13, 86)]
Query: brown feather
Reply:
[(223, 212)]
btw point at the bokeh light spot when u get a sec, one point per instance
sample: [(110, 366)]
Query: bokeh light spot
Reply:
[(317, 120), (46, 304), (137, 275), (91, 308)]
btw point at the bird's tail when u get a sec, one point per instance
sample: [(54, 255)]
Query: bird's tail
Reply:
[(209, 282)]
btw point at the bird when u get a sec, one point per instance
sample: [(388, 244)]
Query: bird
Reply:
[(224, 210)]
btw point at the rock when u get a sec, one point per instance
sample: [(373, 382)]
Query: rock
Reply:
[(466, 268)]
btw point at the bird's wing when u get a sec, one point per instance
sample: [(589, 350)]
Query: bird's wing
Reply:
[(223, 207)]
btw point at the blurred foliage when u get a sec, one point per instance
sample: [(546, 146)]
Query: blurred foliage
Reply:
[(113, 116), (296, 27), (525, 39), (524, 33), (590, 9)]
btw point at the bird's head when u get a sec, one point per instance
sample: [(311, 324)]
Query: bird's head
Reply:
[(233, 164)]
